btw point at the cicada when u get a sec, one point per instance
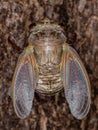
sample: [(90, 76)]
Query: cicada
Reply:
[(47, 66)]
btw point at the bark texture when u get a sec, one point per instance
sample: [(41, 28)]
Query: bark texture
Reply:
[(80, 21)]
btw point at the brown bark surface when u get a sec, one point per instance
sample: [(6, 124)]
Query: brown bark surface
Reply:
[(80, 21)]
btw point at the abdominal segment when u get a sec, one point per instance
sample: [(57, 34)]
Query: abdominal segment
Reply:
[(49, 81)]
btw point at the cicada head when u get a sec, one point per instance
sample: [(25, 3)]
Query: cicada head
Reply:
[(46, 33)]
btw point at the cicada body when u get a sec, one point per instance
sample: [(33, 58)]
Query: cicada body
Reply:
[(47, 66)]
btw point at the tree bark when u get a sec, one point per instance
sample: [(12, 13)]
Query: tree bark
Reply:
[(80, 21)]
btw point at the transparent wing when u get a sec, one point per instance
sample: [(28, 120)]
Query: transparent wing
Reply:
[(24, 82), (76, 83)]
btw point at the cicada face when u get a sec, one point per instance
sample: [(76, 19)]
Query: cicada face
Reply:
[(49, 65)]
